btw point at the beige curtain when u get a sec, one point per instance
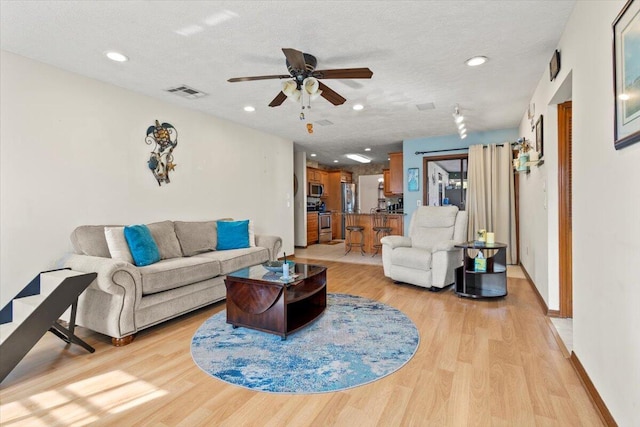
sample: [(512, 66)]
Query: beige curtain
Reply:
[(491, 195)]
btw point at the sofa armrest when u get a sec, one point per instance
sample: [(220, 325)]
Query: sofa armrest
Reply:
[(272, 243), (114, 277), (396, 241)]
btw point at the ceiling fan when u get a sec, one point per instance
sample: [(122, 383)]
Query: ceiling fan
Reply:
[(302, 69)]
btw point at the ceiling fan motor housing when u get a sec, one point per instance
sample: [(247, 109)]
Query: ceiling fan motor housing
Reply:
[(310, 63)]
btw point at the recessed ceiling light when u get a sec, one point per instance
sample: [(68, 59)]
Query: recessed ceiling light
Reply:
[(463, 131), (249, 108), (624, 96), (367, 149), (358, 158), (313, 154), (463, 136), (358, 107), (461, 126), (475, 61), (116, 56), (335, 161)]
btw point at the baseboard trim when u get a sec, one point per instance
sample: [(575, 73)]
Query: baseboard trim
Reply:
[(563, 348), (591, 390), (543, 304), (602, 409)]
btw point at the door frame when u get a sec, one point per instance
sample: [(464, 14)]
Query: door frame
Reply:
[(427, 159), (565, 249)]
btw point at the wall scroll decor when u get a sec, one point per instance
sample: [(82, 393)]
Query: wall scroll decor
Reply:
[(413, 179), (540, 137), (165, 138), (626, 75)]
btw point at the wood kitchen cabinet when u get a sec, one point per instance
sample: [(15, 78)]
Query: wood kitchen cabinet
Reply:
[(346, 176), (312, 228), (387, 183), (323, 177), (395, 174), (396, 222), (336, 225), (313, 175), (333, 189)]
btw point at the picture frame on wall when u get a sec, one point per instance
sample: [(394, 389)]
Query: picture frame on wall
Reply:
[(626, 75), (539, 137), (413, 179)]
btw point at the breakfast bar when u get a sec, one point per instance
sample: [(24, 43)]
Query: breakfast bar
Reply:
[(395, 221)]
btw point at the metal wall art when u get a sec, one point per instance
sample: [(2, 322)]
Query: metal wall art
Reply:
[(165, 138)]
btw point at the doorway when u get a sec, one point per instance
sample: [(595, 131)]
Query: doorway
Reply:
[(565, 209), (445, 180)]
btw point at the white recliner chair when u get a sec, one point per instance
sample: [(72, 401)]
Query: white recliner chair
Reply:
[(427, 257)]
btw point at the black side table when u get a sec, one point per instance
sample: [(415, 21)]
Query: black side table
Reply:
[(483, 284)]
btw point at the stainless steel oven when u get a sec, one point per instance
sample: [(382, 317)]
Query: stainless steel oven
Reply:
[(324, 225)]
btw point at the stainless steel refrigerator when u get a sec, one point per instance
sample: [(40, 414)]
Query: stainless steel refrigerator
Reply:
[(348, 192)]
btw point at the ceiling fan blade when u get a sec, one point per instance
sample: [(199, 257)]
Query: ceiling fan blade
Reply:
[(278, 100), (247, 79), (330, 95), (343, 73), (295, 58)]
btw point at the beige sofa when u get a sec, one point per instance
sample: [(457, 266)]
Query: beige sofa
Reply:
[(125, 299)]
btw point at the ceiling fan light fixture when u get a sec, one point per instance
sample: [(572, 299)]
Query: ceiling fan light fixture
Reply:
[(311, 85), (315, 95), (359, 158), (289, 88)]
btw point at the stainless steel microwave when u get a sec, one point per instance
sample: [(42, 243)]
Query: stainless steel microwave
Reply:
[(316, 190)]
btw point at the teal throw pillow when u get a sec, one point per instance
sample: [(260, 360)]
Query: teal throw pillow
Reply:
[(233, 234), (144, 249)]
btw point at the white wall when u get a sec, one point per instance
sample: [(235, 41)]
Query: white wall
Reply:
[(72, 152), (606, 208)]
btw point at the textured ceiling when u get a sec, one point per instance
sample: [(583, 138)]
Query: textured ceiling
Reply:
[(415, 49)]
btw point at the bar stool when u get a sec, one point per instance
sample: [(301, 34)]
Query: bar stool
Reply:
[(351, 225), (381, 228)]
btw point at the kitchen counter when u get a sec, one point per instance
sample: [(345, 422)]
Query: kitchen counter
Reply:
[(365, 220)]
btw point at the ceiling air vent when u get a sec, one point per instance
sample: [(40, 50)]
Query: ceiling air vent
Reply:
[(186, 92), (324, 122), (426, 106)]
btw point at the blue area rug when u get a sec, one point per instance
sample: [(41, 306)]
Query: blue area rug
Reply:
[(355, 341)]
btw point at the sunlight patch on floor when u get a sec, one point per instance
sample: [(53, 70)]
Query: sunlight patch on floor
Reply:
[(87, 400)]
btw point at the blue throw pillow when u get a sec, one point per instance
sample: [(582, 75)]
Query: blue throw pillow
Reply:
[(233, 234), (144, 249)]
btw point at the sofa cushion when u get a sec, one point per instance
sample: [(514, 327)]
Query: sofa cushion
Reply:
[(433, 224), (176, 272), (141, 244), (415, 258), (90, 240), (235, 259), (117, 243), (165, 236), (233, 235), (196, 237)]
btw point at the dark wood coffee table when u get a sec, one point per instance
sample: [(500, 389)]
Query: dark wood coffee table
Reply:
[(258, 299)]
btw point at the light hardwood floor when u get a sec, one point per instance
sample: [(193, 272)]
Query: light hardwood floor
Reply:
[(482, 363)]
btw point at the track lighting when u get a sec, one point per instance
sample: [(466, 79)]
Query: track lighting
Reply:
[(458, 119)]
